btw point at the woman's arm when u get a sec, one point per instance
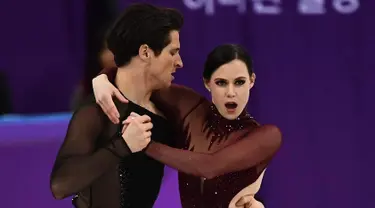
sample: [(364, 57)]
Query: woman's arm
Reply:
[(176, 101), (109, 73), (79, 162), (257, 147), (104, 90)]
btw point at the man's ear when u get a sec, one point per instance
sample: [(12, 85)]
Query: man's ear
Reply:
[(144, 52)]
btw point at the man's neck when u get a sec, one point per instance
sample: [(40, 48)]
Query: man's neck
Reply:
[(132, 82)]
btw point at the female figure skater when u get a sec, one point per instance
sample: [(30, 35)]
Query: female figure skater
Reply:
[(225, 151)]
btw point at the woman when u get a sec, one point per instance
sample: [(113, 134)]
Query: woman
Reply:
[(227, 149)]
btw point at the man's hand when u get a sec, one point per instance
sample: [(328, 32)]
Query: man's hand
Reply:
[(137, 132), (103, 92)]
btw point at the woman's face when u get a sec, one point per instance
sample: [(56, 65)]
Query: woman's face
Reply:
[(230, 88)]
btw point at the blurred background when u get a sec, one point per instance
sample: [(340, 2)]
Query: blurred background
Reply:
[(315, 79)]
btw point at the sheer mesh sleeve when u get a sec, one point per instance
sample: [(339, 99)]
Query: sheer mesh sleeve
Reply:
[(257, 147), (80, 161), (177, 101)]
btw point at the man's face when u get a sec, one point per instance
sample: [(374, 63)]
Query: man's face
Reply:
[(169, 60)]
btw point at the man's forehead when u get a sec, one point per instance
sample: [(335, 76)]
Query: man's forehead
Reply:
[(175, 39)]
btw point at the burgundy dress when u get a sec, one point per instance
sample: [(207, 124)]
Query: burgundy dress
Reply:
[(220, 157)]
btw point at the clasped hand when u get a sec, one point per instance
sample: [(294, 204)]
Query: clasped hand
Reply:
[(137, 131)]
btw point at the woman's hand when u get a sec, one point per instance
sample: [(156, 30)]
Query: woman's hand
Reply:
[(103, 92), (248, 201)]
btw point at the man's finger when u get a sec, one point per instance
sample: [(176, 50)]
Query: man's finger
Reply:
[(134, 114), (119, 96), (143, 119), (128, 120), (148, 140), (124, 128), (148, 134), (148, 126)]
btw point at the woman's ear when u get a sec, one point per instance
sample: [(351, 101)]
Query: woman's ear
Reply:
[(207, 84), (252, 80)]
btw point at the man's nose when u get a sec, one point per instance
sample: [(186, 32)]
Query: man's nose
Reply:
[(179, 63)]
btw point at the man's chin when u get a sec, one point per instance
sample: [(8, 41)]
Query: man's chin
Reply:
[(168, 84), (165, 85)]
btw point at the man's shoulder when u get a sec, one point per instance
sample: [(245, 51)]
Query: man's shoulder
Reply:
[(88, 103), (90, 109)]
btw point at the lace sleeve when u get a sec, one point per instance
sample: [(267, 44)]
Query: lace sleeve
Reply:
[(257, 147), (177, 101)]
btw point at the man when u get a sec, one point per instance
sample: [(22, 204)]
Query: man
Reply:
[(100, 162)]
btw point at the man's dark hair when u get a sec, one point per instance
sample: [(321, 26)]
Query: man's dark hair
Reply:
[(142, 24)]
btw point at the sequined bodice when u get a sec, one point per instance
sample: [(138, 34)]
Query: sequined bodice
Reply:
[(215, 133), (219, 128)]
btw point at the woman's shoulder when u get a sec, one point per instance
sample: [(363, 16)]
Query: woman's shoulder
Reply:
[(181, 90)]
